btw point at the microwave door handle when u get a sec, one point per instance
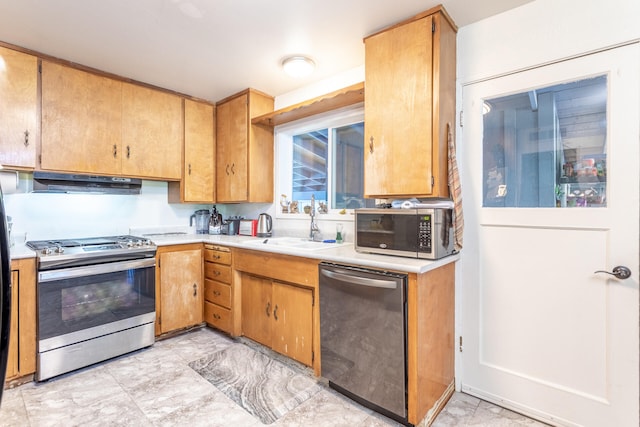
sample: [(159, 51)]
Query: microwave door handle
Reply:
[(364, 281)]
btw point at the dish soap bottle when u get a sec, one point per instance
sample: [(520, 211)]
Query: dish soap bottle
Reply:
[(338, 233)]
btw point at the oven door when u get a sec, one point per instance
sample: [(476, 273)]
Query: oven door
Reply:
[(94, 300)]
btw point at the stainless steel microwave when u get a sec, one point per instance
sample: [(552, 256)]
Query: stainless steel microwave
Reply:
[(415, 233)]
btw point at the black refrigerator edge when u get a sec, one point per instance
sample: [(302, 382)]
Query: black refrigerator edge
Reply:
[(5, 294)]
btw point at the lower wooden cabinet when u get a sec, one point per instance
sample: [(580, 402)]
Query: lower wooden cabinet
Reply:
[(179, 289), (218, 288), (278, 303), (22, 338), (278, 315)]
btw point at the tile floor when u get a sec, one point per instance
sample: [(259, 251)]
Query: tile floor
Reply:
[(155, 387)]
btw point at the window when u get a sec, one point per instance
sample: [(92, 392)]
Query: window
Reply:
[(323, 156), (547, 147)]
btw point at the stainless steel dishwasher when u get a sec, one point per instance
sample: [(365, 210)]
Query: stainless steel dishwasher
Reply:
[(363, 323)]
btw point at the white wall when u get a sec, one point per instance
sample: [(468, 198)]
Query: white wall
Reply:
[(543, 31)]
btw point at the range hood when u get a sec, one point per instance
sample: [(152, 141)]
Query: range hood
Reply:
[(51, 182)]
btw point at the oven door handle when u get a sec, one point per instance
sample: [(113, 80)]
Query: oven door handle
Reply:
[(364, 281), (92, 270)]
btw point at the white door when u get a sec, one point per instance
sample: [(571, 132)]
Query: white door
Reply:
[(542, 333)]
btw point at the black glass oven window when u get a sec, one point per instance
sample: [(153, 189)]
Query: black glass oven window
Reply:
[(72, 304)]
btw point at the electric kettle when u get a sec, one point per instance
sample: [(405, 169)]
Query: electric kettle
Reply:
[(265, 224)]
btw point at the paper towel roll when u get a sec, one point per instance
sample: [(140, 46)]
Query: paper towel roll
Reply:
[(9, 181)]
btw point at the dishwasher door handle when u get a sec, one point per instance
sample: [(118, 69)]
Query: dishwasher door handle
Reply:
[(356, 280)]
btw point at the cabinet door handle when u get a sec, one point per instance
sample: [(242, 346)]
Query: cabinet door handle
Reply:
[(275, 312), (268, 309), (233, 168), (227, 169), (128, 152), (189, 168), (195, 289), (371, 145), (26, 138), (115, 151)]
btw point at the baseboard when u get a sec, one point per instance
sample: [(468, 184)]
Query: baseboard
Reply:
[(439, 405)]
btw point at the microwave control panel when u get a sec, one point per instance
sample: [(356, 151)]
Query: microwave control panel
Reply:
[(424, 233)]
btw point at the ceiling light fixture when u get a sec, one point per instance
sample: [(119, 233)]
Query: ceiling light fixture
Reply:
[(298, 66)]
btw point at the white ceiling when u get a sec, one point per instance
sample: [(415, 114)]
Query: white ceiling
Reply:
[(213, 48)]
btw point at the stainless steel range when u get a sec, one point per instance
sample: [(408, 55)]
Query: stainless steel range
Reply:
[(96, 300)]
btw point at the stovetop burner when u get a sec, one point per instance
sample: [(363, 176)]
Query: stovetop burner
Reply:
[(90, 241), (91, 250)]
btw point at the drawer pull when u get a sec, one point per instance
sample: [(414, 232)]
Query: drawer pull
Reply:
[(216, 316), (216, 293)]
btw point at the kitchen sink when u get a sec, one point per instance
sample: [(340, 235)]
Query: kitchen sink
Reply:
[(290, 243)]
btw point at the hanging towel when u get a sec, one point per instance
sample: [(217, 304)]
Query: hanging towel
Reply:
[(455, 190)]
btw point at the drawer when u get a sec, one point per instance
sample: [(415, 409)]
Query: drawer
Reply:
[(218, 293), (221, 273), (218, 254), (218, 317)]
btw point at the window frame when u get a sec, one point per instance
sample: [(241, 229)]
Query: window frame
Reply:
[(283, 137)]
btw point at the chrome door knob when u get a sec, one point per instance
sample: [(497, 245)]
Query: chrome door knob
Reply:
[(620, 272)]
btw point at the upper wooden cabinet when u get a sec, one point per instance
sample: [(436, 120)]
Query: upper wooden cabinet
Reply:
[(198, 171), (244, 152), (18, 109), (81, 121), (152, 133), (410, 72), (98, 125)]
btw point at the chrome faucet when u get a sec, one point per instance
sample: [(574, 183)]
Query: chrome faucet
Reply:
[(314, 226)]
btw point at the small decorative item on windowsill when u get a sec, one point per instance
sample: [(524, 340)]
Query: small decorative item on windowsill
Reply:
[(284, 203), (293, 207), (559, 193), (322, 208)]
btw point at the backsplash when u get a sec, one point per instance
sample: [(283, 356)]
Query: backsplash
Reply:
[(49, 216), (58, 216)]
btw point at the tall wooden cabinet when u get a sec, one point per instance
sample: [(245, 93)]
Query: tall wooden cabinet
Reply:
[(244, 152), (410, 73), (18, 109), (22, 336), (179, 289), (198, 170)]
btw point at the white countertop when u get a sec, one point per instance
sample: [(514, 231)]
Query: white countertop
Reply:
[(20, 251), (344, 253)]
